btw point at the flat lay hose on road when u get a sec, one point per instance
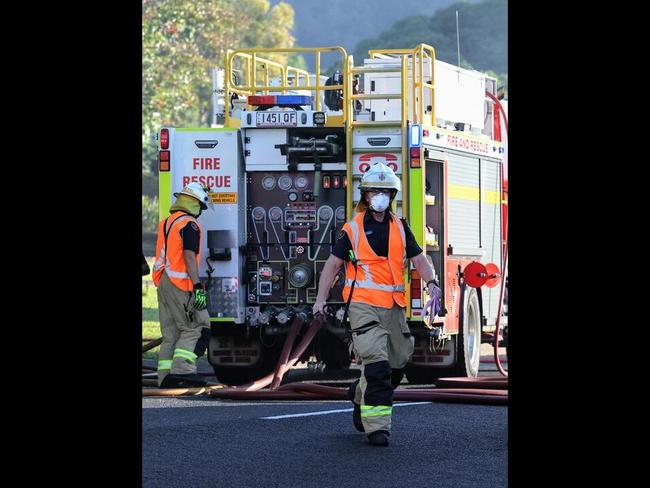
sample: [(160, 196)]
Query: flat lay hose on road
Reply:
[(493, 395)]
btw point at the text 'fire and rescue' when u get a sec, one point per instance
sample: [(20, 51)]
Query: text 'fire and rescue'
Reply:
[(213, 181), (472, 145)]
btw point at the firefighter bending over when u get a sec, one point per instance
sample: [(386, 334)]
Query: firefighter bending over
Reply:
[(181, 296), (380, 242)]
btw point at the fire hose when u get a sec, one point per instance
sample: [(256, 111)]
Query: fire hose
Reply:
[(495, 394), (497, 360)]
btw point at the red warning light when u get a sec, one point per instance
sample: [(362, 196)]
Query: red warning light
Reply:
[(164, 138), (163, 161), (326, 181), (336, 182)]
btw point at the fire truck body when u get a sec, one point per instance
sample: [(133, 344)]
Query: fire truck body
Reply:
[(284, 175)]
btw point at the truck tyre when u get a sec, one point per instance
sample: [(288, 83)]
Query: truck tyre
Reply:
[(235, 376), (423, 375), (469, 337), (468, 346)]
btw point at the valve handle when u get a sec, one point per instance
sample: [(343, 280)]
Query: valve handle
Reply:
[(475, 274), (494, 275)]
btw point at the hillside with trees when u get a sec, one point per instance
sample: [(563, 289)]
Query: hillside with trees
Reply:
[(483, 36), (345, 23)]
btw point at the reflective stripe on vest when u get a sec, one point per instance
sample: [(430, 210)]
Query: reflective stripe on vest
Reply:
[(380, 280), (171, 260)]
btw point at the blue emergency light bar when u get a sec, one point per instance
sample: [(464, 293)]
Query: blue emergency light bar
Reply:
[(280, 100)]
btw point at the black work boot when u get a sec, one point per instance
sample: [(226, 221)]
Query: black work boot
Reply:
[(356, 413), (356, 418), (182, 381), (378, 438)]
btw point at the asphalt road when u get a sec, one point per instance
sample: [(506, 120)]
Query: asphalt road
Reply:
[(204, 442)]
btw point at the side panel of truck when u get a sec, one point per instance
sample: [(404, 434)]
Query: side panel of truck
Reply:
[(212, 157)]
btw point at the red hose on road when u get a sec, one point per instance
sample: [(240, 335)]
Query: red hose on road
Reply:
[(281, 369), (284, 355), (497, 383), (311, 391), (257, 384), (494, 394)]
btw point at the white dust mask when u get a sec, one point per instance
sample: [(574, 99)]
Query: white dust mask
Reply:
[(379, 202)]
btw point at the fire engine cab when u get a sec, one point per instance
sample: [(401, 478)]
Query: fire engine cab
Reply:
[(284, 159)]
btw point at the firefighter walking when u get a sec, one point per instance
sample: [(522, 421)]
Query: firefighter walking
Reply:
[(181, 296), (376, 244)]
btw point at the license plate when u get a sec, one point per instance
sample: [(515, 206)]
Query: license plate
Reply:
[(276, 119)]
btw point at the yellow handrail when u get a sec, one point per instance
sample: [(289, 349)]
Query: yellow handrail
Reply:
[(418, 85), (412, 95), (404, 137), (252, 60)]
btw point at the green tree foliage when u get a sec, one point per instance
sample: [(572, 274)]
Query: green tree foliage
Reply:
[(182, 40), (483, 36), (345, 22), (149, 213)]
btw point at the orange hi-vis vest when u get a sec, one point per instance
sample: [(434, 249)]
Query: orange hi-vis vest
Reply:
[(380, 279), (169, 255)]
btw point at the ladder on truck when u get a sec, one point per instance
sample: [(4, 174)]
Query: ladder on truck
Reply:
[(248, 73), (394, 61)]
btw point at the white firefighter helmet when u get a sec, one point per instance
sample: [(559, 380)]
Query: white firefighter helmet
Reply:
[(381, 177), (197, 191)]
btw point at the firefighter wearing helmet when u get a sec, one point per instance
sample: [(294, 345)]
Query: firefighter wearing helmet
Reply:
[(181, 296), (375, 245)]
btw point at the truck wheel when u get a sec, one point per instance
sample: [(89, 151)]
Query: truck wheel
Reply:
[(246, 374), (423, 375), (468, 346), (233, 376), (469, 338)]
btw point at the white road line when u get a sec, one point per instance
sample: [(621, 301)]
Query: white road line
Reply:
[(327, 412)]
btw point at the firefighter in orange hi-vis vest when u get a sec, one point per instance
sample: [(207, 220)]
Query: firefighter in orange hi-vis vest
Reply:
[(182, 299), (376, 244)]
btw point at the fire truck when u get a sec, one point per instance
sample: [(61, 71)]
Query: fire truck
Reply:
[(283, 160)]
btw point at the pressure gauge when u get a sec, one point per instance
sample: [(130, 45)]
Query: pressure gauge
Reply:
[(325, 213), (301, 182), (285, 182), (258, 213), (268, 182), (301, 276), (293, 196), (275, 213), (340, 213)]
